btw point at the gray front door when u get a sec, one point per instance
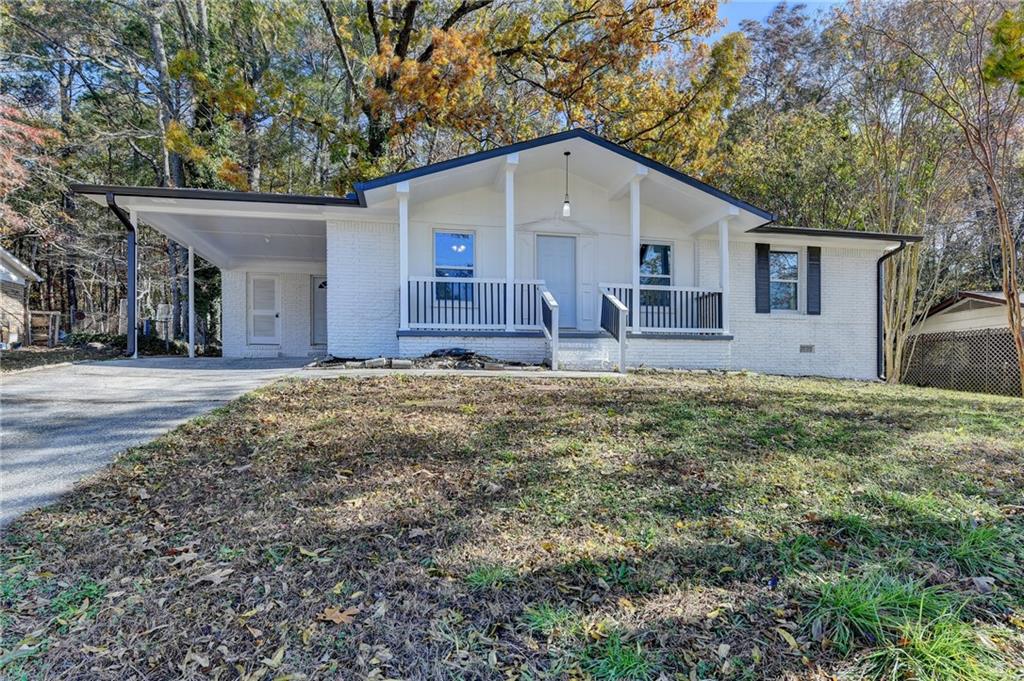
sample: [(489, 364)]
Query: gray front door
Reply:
[(556, 265), (318, 310)]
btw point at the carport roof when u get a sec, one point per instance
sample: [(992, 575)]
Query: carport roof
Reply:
[(214, 195)]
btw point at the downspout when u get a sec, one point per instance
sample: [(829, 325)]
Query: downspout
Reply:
[(132, 271), (879, 308)]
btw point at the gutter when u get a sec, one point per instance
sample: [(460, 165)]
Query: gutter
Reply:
[(880, 305), (126, 220)]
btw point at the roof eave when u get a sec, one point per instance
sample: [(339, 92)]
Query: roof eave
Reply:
[(24, 270), (215, 195), (836, 233)]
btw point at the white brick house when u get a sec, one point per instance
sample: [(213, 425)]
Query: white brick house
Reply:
[(531, 252)]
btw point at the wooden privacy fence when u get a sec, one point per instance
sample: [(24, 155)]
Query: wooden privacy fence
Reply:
[(982, 360)]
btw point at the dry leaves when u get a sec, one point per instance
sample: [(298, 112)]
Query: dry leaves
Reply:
[(338, 616)]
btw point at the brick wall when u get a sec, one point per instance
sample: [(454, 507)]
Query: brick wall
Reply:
[(843, 335), (294, 290), (362, 289), (512, 349), (677, 353)]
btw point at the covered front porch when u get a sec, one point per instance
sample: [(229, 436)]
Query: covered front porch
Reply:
[(568, 237)]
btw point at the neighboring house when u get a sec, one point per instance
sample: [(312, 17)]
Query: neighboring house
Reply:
[(535, 251), (964, 343), (15, 276)]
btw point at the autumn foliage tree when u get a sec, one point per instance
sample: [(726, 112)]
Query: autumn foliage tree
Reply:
[(22, 151)]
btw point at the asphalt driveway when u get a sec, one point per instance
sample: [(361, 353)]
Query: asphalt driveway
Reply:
[(59, 424)]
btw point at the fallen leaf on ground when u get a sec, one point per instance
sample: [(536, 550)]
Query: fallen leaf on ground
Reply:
[(338, 616), (788, 638), (216, 577)]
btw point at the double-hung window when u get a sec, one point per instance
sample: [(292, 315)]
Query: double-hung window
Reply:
[(655, 270), (454, 258), (784, 269)]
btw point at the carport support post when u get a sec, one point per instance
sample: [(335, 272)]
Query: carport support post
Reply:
[(191, 302), (133, 285)]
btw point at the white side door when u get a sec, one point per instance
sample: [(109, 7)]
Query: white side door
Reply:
[(318, 322), (556, 265), (264, 310)]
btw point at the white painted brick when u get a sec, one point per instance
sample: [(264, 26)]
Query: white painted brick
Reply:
[(362, 289), (294, 289), (511, 349), (677, 353), (843, 335)]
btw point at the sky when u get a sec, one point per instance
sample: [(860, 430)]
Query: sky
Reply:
[(737, 10)]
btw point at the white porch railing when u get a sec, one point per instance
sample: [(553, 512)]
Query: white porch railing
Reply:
[(672, 309), (473, 303), (549, 322), (614, 316)]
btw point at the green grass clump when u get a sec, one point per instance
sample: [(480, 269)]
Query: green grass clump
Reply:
[(985, 550), (615, 660), (68, 602), (944, 649), (870, 608), (490, 577), (547, 619)]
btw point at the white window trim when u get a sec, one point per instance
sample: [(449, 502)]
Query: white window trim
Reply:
[(434, 266), (671, 259), (433, 249), (800, 252)]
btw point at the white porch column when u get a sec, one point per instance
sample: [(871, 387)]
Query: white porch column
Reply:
[(723, 270), (634, 253), (511, 163), (191, 302), (403, 255)]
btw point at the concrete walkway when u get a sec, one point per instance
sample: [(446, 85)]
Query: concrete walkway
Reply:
[(59, 424)]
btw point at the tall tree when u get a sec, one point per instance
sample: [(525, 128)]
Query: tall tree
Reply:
[(969, 49), (908, 176)]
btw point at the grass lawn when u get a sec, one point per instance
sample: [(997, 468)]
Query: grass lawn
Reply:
[(31, 356), (659, 526)]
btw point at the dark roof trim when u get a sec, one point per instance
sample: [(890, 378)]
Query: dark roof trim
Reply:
[(362, 187), (960, 296), (838, 233), (214, 195)]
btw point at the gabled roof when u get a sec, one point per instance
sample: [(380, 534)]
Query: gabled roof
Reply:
[(575, 133), (16, 266), (991, 297)]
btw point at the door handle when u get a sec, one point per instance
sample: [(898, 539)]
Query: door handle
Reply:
[(277, 316)]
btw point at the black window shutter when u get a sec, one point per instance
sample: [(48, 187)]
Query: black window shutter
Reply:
[(762, 280), (813, 280)]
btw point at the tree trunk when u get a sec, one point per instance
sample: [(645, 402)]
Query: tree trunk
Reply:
[(172, 160), (172, 261), (1011, 282)]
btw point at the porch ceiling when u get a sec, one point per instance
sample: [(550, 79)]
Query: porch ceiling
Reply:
[(235, 234)]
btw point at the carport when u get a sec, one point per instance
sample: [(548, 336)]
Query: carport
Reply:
[(234, 231)]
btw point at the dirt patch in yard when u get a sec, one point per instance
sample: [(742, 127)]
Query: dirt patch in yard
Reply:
[(30, 357), (659, 526)]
